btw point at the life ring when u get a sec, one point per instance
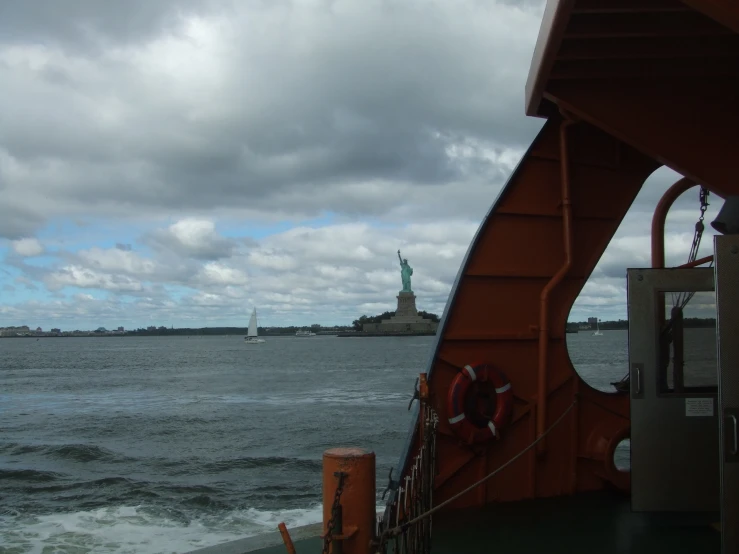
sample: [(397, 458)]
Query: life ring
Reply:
[(460, 422)]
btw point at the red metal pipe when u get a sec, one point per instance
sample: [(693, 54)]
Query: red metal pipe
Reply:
[(697, 262), (286, 538), (660, 216), (541, 411)]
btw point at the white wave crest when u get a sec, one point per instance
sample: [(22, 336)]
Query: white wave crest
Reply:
[(134, 529)]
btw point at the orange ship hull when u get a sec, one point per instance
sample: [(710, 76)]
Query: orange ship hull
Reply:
[(624, 94)]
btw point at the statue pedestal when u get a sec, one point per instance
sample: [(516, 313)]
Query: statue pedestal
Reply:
[(405, 321), (406, 306)]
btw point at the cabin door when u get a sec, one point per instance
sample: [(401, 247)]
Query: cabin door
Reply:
[(726, 255), (674, 388)]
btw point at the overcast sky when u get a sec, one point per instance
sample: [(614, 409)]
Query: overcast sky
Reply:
[(178, 163)]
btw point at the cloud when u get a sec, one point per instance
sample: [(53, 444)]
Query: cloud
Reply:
[(219, 274), (192, 237), (86, 27), (27, 247), (76, 276), (115, 260), (266, 110), (331, 273), (328, 274), (179, 162)]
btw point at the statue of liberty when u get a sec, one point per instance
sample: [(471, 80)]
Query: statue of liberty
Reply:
[(405, 273)]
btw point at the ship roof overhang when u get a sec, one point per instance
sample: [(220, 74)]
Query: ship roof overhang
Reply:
[(662, 75)]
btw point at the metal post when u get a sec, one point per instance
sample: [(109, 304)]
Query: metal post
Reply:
[(349, 500)]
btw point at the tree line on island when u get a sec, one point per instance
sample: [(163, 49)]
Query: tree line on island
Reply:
[(357, 323)]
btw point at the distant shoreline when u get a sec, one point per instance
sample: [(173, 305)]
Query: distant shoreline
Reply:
[(153, 334), (345, 331), (359, 334)]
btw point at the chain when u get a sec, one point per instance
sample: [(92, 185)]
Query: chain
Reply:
[(334, 512), (681, 299), (699, 226), (703, 197)]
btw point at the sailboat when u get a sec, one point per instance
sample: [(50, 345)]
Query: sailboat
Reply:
[(597, 329), (252, 335)]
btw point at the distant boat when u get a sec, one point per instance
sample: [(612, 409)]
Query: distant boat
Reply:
[(597, 329), (252, 335), (303, 333)]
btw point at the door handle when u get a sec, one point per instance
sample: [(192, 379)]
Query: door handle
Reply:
[(636, 375)]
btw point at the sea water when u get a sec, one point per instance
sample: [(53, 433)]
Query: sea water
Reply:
[(167, 444)]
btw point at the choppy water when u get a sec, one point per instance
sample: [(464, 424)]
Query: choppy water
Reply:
[(168, 444)]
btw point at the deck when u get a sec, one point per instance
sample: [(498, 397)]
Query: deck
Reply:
[(599, 522)]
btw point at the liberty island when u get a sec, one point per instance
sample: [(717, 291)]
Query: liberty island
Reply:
[(406, 320)]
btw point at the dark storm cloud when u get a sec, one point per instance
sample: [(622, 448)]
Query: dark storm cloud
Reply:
[(16, 221), (141, 107), (84, 26)]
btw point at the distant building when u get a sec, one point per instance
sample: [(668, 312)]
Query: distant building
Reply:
[(592, 322), (14, 331), (121, 330), (56, 331), (39, 330)]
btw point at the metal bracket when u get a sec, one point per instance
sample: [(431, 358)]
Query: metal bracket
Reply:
[(391, 485), (349, 532), (415, 394)]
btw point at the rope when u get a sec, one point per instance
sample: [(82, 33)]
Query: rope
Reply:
[(400, 528)]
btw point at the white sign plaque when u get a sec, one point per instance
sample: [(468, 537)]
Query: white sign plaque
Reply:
[(698, 407)]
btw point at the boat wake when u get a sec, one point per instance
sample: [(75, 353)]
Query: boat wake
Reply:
[(139, 529)]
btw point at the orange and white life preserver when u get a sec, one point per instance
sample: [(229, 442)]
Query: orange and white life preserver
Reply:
[(460, 422)]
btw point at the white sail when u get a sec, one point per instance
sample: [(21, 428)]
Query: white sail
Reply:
[(597, 329), (253, 325), (252, 335)]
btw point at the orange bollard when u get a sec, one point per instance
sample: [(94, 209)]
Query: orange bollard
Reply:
[(354, 526)]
